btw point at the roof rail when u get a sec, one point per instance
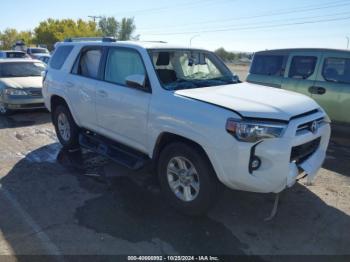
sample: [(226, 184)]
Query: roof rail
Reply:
[(162, 42), (90, 39)]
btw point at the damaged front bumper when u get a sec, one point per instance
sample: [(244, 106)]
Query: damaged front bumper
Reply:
[(282, 159), (309, 167)]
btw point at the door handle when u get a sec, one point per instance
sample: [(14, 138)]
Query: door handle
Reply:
[(318, 90), (102, 93)]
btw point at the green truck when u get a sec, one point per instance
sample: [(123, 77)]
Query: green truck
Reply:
[(323, 74)]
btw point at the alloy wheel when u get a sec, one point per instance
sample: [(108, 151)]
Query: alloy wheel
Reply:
[(183, 179), (63, 126)]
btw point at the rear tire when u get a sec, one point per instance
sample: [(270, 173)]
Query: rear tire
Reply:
[(187, 179), (66, 129)]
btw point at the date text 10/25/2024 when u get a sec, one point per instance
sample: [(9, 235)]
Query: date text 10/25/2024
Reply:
[(173, 258)]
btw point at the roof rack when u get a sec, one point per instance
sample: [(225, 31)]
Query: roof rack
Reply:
[(162, 42), (90, 39)]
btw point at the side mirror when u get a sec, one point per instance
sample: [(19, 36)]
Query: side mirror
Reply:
[(136, 81)]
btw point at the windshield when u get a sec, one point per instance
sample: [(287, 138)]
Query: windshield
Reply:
[(21, 69), (186, 69), (39, 51)]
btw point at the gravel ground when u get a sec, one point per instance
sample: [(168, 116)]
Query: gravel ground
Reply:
[(79, 203)]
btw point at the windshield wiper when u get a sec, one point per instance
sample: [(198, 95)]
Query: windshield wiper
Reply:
[(225, 79), (181, 83)]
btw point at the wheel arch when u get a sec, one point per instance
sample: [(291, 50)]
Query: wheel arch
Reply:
[(167, 138), (56, 100)]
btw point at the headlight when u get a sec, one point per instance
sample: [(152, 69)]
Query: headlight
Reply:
[(15, 92), (254, 131)]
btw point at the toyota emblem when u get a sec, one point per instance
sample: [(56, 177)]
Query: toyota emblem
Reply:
[(314, 127)]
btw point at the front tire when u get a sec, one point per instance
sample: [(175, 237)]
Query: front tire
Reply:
[(66, 129), (187, 179)]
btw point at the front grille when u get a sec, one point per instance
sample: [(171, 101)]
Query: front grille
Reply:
[(35, 93), (307, 126), (301, 153)]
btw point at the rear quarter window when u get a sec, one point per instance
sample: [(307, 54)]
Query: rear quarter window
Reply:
[(336, 70), (272, 65), (60, 56)]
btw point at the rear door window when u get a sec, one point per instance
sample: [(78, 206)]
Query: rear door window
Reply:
[(302, 67), (336, 70), (272, 65), (89, 62), (60, 56)]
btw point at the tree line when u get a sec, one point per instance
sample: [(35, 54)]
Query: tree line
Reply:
[(55, 30), (232, 56)]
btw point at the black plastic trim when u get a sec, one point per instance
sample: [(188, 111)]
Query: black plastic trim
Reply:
[(118, 152), (252, 155), (305, 114)]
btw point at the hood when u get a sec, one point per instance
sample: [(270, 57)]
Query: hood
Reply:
[(22, 82), (255, 101)]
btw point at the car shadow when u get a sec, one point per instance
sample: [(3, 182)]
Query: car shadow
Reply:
[(338, 154), (82, 199), (25, 118)]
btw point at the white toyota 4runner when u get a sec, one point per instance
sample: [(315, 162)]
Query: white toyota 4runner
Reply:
[(182, 109)]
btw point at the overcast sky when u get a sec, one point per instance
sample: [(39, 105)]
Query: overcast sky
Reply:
[(242, 25)]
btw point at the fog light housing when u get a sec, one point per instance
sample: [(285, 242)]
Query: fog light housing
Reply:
[(255, 163), (13, 106)]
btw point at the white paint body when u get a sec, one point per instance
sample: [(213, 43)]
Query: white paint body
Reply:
[(137, 119)]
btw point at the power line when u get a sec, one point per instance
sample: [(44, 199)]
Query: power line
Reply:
[(303, 9), (256, 27), (153, 10), (274, 21), (94, 17)]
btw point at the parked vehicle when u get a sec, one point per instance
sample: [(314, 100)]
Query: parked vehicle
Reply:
[(323, 74), (35, 52), (20, 85), (13, 54), (44, 58), (182, 109), (19, 46)]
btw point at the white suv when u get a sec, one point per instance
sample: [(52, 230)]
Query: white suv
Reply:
[(182, 109)]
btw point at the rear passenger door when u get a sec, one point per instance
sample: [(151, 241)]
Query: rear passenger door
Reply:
[(122, 111), (332, 87), (82, 83), (301, 72)]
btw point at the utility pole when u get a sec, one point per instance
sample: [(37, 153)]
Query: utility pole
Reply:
[(348, 40), (94, 17)]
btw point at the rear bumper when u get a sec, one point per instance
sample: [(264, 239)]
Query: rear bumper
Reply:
[(277, 171)]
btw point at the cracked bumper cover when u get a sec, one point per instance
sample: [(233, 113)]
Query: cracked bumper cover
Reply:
[(277, 171)]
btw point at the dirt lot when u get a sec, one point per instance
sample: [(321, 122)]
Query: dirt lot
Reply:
[(240, 70), (54, 202)]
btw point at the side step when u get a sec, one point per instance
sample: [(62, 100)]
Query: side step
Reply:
[(117, 152)]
